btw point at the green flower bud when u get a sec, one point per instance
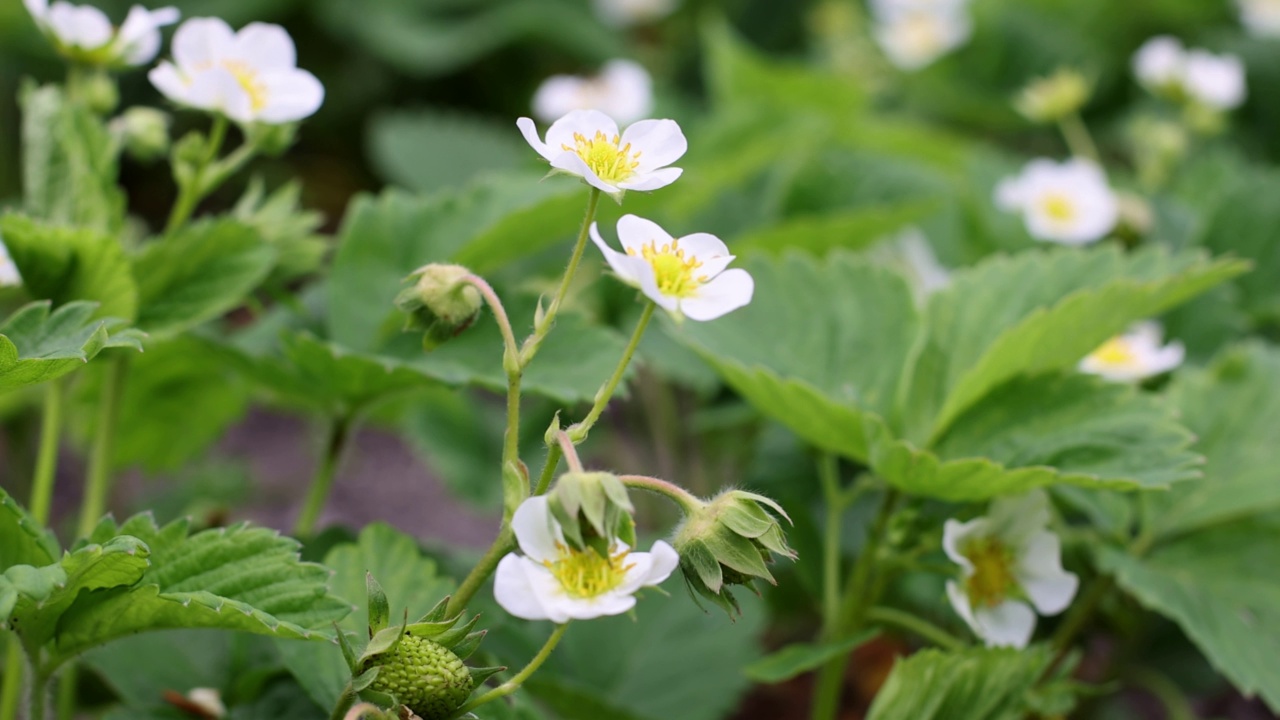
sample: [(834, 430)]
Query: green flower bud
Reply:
[(729, 541), (145, 133), (593, 509), (271, 140), (440, 303), (99, 92), (1052, 98)]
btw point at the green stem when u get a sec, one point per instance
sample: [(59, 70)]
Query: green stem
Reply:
[(548, 469), (503, 544), (918, 626), (192, 192), (47, 458), (39, 695), (345, 701), (12, 690), (98, 476), (687, 501), (569, 451), (1078, 138), (534, 341), (856, 600), (829, 475), (514, 683), (510, 363), (322, 482), (66, 708), (578, 431)]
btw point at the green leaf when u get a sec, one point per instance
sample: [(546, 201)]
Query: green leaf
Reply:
[(457, 436), (1233, 406), (852, 229), (22, 540), (411, 582), (63, 264), (429, 150), (981, 684), (1243, 223), (201, 273), (282, 223), (233, 578), (799, 658), (1220, 586), (37, 346), (70, 162)]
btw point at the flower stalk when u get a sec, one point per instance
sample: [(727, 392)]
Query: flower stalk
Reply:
[(47, 457), (578, 431), (541, 329), (525, 673), (191, 192), (98, 477), (687, 501), (322, 482)]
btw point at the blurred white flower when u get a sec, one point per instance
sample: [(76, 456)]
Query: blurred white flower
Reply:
[(209, 700), (914, 37), (1165, 67), (1260, 17), (249, 76), (624, 13), (1135, 355), (9, 276), (553, 581), (586, 143), (684, 276), (1010, 563), (883, 9), (84, 34), (623, 90), (1069, 203)]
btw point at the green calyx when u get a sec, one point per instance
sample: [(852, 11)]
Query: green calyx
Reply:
[(420, 665), (440, 303), (593, 509), (731, 540)]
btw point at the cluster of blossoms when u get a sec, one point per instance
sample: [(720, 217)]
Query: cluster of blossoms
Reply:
[(1166, 68), (915, 33), (83, 34), (1260, 17)]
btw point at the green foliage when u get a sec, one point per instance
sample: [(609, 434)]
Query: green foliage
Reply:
[(975, 683), (799, 658), (63, 264), (37, 346), (282, 222), (22, 540), (430, 150), (849, 229)]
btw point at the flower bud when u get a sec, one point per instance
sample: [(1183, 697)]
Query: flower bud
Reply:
[(440, 303), (145, 133), (99, 92), (271, 140), (593, 509), (1049, 99), (728, 541)]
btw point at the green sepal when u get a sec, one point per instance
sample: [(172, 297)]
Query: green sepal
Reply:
[(454, 636), (469, 644), (479, 675), (696, 556), (379, 608), (436, 614), (380, 699), (362, 681), (348, 652), (515, 487), (384, 641), (430, 630), (739, 554)]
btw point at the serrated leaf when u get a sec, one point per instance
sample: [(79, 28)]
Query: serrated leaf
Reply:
[(851, 229), (978, 683), (799, 658), (37, 346), (410, 580), (199, 274), (22, 540), (64, 264), (428, 150), (1220, 586), (281, 221)]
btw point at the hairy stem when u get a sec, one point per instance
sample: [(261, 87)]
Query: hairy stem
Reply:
[(916, 625), (503, 544), (510, 363), (98, 477), (47, 459), (322, 481), (534, 341), (548, 469), (578, 432), (687, 501), (67, 682), (11, 693), (514, 683), (192, 192), (569, 451), (829, 475)]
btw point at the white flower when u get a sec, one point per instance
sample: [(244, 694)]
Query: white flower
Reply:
[(1069, 203), (552, 581), (1010, 563), (249, 76), (915, 37), (586, 143), (9, 276), (622, 13), (1165, 67), (1135, 355), (684, 276), (84, 34), (1260, 17), (623, 90)]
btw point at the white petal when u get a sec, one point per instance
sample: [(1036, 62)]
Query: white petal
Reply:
[(1159, 61), (39, 10), (1039, 572), (536, 529), (665, 561), (628, 90), (1008, 624), (1016, 520), (579, 122), (704, 246), (84, 26), (659, 142), (960, 602), (138, 39), (291, 95), (530, 133), (558, 95), (635, 232), (166, 79), (955, 534), (652, 180), (217, 89), (200, 41), (639, 566), (727, 292), (623, 265), (589, 608), (265, 47), (514, 592)]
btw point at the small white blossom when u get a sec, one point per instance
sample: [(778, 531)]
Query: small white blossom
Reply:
[(1069, 203), (1260, 17), (684, 276), (623, 90), (1010, 563), (84, 34), (587, 143), (1165, 67), (624, 13), (913, 37), (553, 581), (9, 276), (249, 76), (1135, 355)]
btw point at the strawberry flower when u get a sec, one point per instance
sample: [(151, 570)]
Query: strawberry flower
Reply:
[(84, 34)]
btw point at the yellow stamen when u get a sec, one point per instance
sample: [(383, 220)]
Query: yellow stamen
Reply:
[(587, 573), (992, 580), (247, 76), (601, 153), (1059, 208), (671, 269), (1116, 352)]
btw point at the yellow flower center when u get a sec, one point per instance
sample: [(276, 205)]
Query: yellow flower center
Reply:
[(1116, 352), (587, 573), (992, 580), (247, 76), (1058, 207), (673, 272), (601, 153)]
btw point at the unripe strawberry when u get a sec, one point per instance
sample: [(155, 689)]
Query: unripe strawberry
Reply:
[(425, 676)]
